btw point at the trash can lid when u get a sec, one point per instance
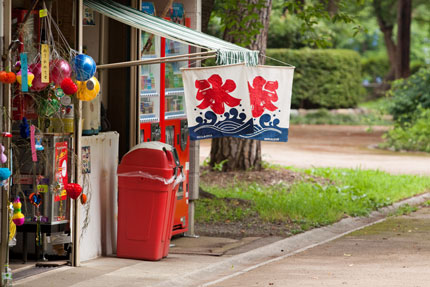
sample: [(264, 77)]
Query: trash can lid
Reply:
[(152, 145)]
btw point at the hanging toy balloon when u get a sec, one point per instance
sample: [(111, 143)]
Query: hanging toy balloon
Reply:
[(24, 128), (87, 91), (35, 199), (84, 67), (83, 198), (37, 85), (18, 217), (60, 69), (30, 77), (69, 87), (4, 173), (7, 77), (73, 190), (3, 157)]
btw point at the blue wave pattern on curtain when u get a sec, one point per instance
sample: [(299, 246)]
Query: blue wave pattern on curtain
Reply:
[(227, 53)]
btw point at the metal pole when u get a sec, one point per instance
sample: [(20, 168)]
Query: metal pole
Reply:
[(185, 57), (5, 35), (78, 133)]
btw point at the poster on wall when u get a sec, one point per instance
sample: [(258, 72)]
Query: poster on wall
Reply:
[(88, 17), (215, 102), (239, 101), (61, 169)]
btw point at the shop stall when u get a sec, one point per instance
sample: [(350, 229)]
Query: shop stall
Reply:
[(58, 169)]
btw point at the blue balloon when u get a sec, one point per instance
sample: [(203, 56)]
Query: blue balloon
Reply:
[(4, 173), (84, 67)]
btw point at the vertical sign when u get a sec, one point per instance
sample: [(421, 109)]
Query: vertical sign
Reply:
[(45, 63), (61, 169), (24, 74)]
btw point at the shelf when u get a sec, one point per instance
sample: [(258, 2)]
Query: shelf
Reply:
[(148, 93), (174, 115), (148, 118), (175, 92)]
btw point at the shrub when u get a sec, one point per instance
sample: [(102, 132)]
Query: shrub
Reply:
[(413, 136), (375, 66), (409, 95), (323, 78)]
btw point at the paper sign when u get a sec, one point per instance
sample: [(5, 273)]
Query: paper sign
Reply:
[(43, 13), (33, 143), (24, 72), (44, 50)]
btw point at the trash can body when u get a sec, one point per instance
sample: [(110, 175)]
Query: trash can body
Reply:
[(146, 201)]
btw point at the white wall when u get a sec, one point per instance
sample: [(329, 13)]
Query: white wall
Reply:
[(99, 215)]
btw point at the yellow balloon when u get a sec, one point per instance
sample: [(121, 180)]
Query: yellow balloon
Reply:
[(30, 78), (88, 90)]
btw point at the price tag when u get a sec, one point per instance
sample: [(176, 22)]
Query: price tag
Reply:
[(44, 50), (43, 13), (24, 74)]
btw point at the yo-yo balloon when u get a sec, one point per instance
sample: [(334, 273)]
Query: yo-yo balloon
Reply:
[(88, 90), (37, 85), (84, 67), (59, 70)]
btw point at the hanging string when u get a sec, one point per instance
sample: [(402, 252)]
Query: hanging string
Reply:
[(279, 61)]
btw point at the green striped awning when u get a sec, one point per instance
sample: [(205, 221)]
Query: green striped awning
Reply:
[(227, 53)]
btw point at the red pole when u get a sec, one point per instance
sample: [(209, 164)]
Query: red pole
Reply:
[(163, 92)]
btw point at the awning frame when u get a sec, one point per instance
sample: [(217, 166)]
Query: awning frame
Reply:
[(226, 52)]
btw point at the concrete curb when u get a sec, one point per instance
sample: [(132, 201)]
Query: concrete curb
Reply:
[(242, 263)]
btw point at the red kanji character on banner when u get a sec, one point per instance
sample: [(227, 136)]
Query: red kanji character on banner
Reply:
[(262, 95), (215, 94)]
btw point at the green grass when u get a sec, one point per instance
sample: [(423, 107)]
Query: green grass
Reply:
[(354, 192), (380, 105)]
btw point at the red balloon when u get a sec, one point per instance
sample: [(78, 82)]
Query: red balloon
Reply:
[(37, 84), (73, 190), (59, 70), (68, 86)]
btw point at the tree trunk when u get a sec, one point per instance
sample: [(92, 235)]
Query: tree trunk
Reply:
[(386, 26), (404, 17), (398, 54), (236, 153), (207, 7)]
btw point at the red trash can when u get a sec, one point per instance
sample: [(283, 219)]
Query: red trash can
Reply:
[(148, 178)]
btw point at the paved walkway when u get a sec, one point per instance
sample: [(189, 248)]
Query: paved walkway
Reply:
[(392, 253)]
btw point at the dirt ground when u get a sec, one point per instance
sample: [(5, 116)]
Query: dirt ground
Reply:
[(309, 145), (252, 225), (338, 146)]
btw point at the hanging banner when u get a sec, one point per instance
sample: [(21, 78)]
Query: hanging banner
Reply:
[(238, 101), (215, 102), (270, 90)]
